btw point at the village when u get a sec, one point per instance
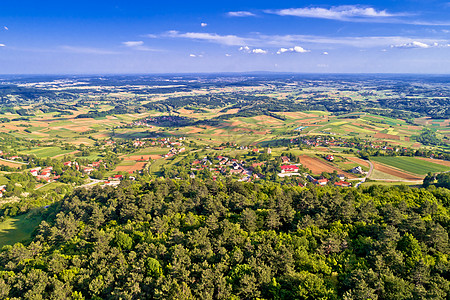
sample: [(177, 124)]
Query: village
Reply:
[(247, 171)]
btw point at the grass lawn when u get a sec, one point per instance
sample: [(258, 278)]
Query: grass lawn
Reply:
[(411, 164), (3, 180), (18, 229), (52, 186)]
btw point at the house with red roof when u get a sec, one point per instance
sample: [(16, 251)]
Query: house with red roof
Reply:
[(289, 168), (322, 181), (343, 184)]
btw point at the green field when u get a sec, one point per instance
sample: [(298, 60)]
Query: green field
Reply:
[(48, 151), (411, 164), (18, 229)]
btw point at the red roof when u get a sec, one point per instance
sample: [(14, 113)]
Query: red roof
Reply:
[(289, 167), (342, 183)]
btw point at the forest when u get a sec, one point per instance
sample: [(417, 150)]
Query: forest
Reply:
[(191, 239)]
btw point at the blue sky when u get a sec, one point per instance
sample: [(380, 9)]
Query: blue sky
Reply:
[(87, 37)]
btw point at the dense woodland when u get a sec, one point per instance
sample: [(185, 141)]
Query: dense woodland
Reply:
[(168, 239)]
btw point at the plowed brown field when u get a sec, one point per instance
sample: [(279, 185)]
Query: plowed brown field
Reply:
[(436, 161), (318, 166), (135, 167), (386, 136)]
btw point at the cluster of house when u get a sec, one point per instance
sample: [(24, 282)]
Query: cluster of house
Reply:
[(143, 122), (254, 150), (320, 141), (44, 174), (138, 143), (3, 155), (228, 166), (174, 151), (163, 142), (322, 181), (225, 166), (87, 169)]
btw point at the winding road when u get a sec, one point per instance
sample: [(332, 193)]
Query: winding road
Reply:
[(367, 175)]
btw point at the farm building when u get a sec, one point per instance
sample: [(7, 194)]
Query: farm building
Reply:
[(342, 184), (322, 181), (357, 170), (289, 168)]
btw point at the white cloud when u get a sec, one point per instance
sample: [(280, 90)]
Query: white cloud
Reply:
[(282, 50), (414, 44), (358, 42), (240, 14), (192, 55), (2, 45), (5, 27), (325, 53), (259, 51), (133, 43), (342, 12), (421, 44), (297, 49), (139, 45), (230, 40), (203, 24), (245, 49), (227, 55)]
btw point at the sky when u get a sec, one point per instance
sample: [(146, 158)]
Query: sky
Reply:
[(116, 36)]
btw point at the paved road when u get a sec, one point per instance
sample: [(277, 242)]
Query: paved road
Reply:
[(13, 161), (93, 181), (43, 185), (367, 175)]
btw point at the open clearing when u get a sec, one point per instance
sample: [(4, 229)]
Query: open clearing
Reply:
[(411, 164), (18, 229)]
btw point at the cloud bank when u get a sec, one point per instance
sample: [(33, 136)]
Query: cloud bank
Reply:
[(342, 12)]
